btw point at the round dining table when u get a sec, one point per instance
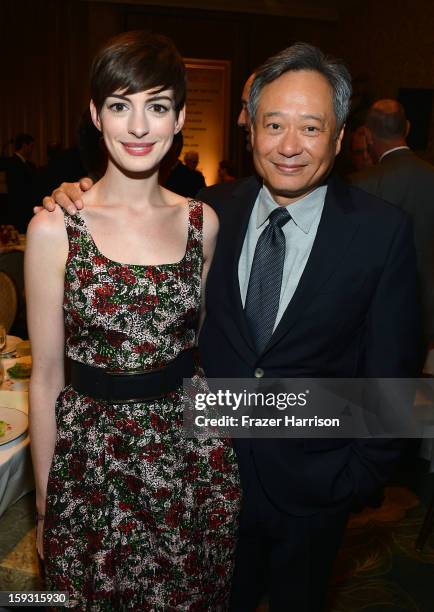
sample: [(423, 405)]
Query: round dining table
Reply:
[(16, 474)]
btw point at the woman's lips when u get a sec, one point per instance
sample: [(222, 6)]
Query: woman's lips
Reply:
[(138, 149)]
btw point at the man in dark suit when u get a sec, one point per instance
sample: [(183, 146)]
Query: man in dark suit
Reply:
[(185, 179), (310, 278), (342, 303), (20, 178), (402, 178), (243, 120)]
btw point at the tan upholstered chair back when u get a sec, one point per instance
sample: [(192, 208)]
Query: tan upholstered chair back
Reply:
[(8, 301)]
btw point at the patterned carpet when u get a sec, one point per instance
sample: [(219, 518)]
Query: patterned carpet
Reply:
[(18, 561), (378, 569)]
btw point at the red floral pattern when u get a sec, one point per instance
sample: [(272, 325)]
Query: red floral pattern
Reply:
[(134, 520)]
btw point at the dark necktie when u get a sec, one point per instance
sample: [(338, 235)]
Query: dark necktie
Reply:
[(263, 292)]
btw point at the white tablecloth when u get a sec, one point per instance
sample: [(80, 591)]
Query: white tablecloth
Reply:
[(16, 475)]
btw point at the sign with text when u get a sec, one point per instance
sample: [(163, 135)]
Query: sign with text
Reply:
[(207, 122)]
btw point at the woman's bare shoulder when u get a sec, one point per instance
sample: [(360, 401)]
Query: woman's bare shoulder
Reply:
[(210, 219), (47, 225)]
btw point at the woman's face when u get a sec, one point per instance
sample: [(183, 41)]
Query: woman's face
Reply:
[(138, 128)]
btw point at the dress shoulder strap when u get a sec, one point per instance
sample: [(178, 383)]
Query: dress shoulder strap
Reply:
[(73, 222), (78, 236), (195, 218), (195, 229)]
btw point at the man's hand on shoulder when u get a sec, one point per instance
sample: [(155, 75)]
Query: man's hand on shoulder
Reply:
[(68, 196)]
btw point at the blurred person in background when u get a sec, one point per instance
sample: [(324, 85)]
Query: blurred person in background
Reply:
[(403, 179), (226, 171), (243, 120), (184, 178), (88, 157), (171, 159), (359, 149), (21, 179)]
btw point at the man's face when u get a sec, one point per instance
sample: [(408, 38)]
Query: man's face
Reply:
[(294, 137), (27, 150), (360, 156), (191, 160), (243, 121)]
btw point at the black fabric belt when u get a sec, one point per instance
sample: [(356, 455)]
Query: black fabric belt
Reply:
[(127, 387)]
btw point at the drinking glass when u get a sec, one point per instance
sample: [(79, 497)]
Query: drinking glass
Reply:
[(2, 337)]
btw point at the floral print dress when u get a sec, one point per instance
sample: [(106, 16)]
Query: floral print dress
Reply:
[(138, 517)]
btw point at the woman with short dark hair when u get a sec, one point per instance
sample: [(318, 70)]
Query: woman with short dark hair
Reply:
[(130, 514)]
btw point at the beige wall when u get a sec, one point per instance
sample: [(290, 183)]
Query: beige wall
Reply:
[(394, 43), (46, 47)]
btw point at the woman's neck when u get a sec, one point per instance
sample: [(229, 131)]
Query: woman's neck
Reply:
[(117, 186)]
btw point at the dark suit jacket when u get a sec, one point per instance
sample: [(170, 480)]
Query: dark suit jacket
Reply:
[(184, 181), (407, 181), (354, 314)]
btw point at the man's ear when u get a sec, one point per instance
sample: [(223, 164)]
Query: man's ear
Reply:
[(339, 137), (95, 116), (179, 124), (407, 128), (251, 133)]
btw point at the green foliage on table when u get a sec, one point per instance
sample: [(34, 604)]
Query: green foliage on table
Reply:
[(20, 371)]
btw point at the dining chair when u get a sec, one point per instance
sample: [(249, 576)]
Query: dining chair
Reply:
[(12, 263), (8, 301)]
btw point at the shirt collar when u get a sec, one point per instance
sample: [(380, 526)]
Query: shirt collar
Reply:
[(303, 212), (20, 156), (392, 150)]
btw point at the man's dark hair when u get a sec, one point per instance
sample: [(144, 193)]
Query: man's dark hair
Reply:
[(137, 61), (22, 139), (302, 56), (388, 125)]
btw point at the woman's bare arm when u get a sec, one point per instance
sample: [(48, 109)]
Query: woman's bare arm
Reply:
[(46, 253)]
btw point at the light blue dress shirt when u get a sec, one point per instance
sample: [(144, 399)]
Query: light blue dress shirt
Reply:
[(300, 233)]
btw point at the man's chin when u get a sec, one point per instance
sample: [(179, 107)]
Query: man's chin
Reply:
[(281, 194), (294, 189)]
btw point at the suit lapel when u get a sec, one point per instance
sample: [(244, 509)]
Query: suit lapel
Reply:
[(334, 235), (240, 209)]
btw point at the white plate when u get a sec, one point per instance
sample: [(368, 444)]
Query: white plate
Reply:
[(18, 423), (11, 345), (14, 384)]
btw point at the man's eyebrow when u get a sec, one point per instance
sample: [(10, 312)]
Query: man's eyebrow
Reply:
[(273, 114), (303, 115), (312, 116)]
